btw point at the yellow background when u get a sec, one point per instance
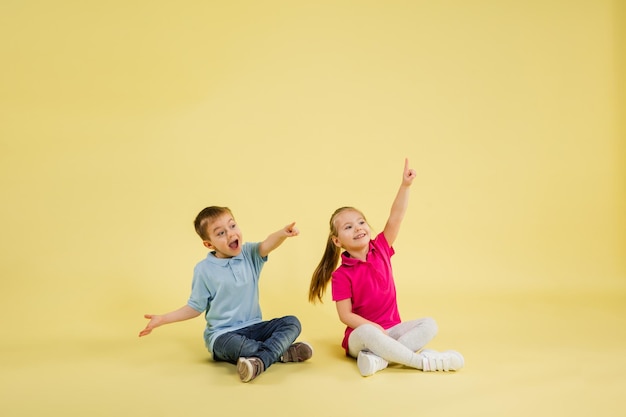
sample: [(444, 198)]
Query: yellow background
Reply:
[(120, 120)]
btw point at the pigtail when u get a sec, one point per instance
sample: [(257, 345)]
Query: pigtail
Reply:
[(323, 272)]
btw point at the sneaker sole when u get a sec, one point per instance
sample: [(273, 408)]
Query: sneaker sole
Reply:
[(244, 366)]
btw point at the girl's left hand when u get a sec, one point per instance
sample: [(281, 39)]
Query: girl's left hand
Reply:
[(409, 173)]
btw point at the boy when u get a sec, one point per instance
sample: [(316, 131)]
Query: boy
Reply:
[(226, 288)]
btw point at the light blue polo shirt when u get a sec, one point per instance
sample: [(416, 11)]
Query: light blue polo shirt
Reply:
[(227, 290)]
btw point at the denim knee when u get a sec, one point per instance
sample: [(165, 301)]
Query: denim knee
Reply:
[(293, 321), (228, 347)]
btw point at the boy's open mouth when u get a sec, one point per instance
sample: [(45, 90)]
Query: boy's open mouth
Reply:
[(234, 244)]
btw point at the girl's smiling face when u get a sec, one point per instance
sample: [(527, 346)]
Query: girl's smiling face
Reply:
[(353, 232), (225, 237)]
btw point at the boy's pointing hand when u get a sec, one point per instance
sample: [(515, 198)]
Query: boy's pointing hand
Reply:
[(291, 230)]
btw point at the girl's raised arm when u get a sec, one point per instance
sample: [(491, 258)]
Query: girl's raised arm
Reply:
[(400, 204)]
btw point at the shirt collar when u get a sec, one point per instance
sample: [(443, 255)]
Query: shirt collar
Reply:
[(222, 261), (347, 260)]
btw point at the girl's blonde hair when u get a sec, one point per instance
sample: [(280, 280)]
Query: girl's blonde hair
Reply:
[(330, 259)]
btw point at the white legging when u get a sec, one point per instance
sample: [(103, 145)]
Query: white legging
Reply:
[(399, 344)]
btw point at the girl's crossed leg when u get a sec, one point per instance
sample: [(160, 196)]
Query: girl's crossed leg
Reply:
[(399, 344)]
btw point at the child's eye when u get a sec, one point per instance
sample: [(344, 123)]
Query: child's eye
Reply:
[(220, 233), (362, 222), (232, 226), (348, 227)]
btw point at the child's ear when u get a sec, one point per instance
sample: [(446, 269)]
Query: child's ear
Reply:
[(207, 244), (335, 240)]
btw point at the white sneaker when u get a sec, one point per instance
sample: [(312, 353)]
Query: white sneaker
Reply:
[(450, 360), (369, 363)]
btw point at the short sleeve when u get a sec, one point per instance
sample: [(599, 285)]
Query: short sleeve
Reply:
[(200, 296), (341, 285)]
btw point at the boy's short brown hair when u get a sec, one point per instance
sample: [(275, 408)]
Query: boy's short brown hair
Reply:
[(205, 216)]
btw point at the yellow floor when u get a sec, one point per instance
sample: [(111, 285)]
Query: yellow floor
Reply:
[(526, 354)]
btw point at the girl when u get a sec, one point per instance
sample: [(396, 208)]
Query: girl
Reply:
[(365, 294)]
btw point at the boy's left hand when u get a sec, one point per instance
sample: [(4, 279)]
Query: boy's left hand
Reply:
[(291, 230)]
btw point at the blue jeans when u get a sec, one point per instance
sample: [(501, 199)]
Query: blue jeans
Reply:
[(267, 340)]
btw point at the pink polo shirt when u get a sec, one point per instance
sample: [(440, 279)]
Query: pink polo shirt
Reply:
[(369, 284)]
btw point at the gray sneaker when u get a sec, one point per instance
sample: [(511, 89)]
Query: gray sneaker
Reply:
[(448, 360), (249, 368), (298, 352), (369, 363)]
